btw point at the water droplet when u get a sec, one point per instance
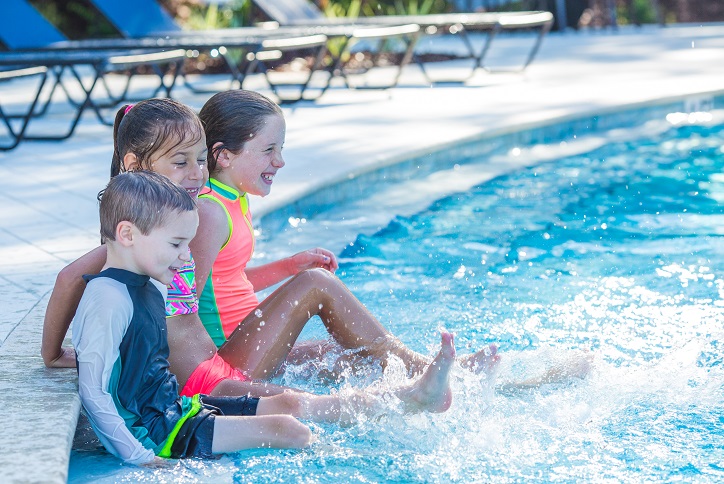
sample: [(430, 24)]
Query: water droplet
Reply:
[(258, 313)]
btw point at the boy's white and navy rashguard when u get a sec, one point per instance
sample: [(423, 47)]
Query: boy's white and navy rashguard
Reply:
[(131, 397)]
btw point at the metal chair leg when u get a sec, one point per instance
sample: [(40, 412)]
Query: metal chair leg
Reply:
[(18, 136)]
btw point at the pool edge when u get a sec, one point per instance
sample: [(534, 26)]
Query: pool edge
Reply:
[(47, 400)]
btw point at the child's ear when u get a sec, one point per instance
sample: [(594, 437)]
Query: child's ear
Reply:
[(124, 233), (130, 162), (222, 158)]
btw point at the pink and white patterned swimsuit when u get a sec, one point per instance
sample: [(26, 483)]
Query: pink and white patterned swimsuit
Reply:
[(182, 297)]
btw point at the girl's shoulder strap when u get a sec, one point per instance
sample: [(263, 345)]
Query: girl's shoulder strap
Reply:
[(212, 195)]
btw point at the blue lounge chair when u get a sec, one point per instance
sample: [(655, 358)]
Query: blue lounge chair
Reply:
[(144, 24), (303, 12), (22, 27), (129, 17)]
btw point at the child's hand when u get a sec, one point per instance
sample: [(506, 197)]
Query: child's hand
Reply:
[(65, 359), (317, 257)]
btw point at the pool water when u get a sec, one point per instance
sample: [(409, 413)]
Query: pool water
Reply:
[(620, 250)]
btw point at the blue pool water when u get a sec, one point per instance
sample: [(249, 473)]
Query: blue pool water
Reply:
[(620, 250)]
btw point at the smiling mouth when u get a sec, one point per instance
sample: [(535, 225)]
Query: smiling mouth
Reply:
[(267, 177), (193, 191)]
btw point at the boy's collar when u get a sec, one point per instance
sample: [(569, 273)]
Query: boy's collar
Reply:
[(121, 275)]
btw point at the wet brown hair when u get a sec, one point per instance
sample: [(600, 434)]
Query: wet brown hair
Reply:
[(233, 117), (146, 127), (143, 198)]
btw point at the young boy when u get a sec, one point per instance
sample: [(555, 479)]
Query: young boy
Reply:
[(119, 333)]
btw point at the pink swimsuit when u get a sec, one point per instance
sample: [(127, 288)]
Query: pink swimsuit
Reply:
[(228, 295), (182, 292)]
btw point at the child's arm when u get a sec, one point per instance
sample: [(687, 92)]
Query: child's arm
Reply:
[(212, 234), (68, 289), (267, 275), (103, 316)]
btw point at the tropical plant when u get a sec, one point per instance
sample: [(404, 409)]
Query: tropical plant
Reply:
[(77, 19), (415, 7)]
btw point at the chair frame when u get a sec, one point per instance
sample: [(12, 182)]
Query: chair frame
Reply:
[(348, 34), (258, 45), (30, 54), (431, 24), (17, 135), (153, 25), (57, 63), (159, 26)]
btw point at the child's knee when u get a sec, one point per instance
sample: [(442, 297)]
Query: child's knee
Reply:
[(288, 403), (291, 432), (317, 278)]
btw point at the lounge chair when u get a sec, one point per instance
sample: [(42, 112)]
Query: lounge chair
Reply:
[(303, 12), (258, 46), (144, 24), (130, 18), (17, 133), (22, 27)]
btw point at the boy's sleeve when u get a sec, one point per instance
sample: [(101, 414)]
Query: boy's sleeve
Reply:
[(101, 322)]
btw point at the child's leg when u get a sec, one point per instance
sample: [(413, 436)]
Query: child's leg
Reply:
[(431, 392), (573, 364), (344, 364), (286, 311), (232, 434), (236, 388)]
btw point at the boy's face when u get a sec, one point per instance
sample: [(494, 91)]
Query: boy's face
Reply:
[(166, 248)]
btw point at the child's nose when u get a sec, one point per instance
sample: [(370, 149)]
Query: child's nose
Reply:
[(278, 161), (197, 171), (185, 255)]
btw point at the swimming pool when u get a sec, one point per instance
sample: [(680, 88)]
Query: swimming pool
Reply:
[(618, 249)]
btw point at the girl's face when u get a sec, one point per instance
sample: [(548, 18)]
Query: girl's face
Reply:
[(183, 163), (252, 170)]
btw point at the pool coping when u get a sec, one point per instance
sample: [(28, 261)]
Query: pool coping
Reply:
[(47, 398), (48, 401)]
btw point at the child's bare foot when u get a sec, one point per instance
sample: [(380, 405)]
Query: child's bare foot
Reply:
[(431, 392), (577, 364), (483, 361)]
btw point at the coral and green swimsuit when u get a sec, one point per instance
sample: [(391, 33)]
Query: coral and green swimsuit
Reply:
[(228, 296)]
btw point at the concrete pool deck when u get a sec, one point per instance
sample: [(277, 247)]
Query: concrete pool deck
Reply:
[(49, 214)]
